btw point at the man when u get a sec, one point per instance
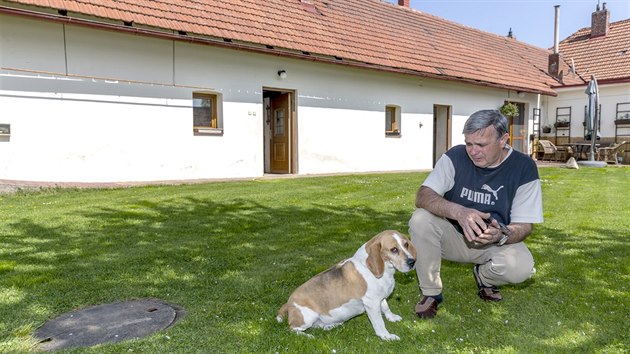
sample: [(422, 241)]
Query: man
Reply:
[(477, 206)]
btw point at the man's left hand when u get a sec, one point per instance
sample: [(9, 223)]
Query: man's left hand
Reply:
[(490, 235)]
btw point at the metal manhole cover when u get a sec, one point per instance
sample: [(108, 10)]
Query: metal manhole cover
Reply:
[(107, 323)]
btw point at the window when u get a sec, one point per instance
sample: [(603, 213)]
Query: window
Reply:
[(623, 112), (206, 114), (279, 122), (392, 121), (563, 115)]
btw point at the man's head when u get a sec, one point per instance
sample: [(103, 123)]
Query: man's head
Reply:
[(486, 134)]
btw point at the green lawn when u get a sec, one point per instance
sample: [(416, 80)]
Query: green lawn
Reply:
[(231, 253)]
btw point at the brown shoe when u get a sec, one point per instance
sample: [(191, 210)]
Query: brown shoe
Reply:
[(490, 293), (427, 307), (486, 293)]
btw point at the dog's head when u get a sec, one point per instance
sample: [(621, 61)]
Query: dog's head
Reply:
[(390, 247)]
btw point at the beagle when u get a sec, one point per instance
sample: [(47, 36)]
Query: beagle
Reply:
[(359, 284)]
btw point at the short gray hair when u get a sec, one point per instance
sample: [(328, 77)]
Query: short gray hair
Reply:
[(485, 118)]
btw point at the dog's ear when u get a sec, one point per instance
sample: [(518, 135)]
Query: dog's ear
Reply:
[(374, 260)]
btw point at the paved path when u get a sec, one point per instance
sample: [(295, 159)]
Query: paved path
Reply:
[(12, 186)]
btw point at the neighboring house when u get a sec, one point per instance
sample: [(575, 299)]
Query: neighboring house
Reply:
[(106, 91), (602, 50)]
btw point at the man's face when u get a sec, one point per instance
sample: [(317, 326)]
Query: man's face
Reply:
[(483, 147)]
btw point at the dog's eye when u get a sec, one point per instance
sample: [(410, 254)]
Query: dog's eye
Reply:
[(394, 250), (406, 244)]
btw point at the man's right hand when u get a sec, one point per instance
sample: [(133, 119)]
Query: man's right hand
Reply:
[(471, 220), (473, 223)]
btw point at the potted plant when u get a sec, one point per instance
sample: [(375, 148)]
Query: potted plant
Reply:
[(546, 129), (509, 109), (561, 123)]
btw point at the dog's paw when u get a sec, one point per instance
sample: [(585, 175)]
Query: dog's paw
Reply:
[(302, 333), (328, 327), (389, 336), (391, 317)]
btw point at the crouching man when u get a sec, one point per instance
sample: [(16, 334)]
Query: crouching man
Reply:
[(477, 206)]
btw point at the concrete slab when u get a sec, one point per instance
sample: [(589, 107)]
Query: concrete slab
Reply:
[(593, 163), (107, 323)]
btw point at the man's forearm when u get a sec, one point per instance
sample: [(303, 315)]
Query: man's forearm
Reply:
[(518, 232), (428, 199), (468, 219)]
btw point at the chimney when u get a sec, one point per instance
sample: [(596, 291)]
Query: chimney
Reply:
[(403, 3), (599, 22), (554, 59), (556, 29)]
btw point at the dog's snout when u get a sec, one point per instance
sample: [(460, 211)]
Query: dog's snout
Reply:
[(411, 262)]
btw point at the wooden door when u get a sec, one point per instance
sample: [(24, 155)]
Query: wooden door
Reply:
[(518, 129), (441, 131), (280, 147)]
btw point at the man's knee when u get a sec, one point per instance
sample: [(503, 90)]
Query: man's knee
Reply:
[(515, 268), (420, 221), (518, 275)]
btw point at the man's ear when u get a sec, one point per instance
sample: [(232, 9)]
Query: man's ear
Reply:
[(504, 139)]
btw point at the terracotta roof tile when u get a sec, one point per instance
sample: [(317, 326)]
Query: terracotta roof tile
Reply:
[(373, 32), (606, 57)]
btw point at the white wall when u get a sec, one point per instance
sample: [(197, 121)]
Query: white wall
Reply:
[(576, 98), (116, 107)]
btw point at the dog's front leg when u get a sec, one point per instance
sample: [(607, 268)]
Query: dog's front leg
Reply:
[(374, 314), (391, 317)]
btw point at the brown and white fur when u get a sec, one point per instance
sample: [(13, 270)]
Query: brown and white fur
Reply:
[(359, 284)]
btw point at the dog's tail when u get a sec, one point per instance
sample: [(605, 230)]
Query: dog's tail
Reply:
[(282, 312)]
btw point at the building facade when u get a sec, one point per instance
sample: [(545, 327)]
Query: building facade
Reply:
[(93, 94)]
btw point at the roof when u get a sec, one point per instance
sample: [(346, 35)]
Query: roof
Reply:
[(369, 33), (607, 57)]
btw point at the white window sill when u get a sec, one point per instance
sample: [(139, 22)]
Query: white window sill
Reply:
[(207, 131)]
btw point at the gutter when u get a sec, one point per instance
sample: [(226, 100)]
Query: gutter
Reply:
[(223, 43), (621, 80)]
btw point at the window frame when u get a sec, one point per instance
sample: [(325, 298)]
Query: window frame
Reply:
[(216, 121), (393, 128)]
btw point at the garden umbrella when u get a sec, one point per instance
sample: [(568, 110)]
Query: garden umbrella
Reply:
[(591, 114)]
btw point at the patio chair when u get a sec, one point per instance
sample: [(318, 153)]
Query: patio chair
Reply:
[(551, 151), (609, 154)]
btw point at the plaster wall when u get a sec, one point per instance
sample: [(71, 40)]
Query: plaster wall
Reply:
[(100, 106), (576, 98)]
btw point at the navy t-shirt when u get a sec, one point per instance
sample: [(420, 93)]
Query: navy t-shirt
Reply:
[(510, 191)]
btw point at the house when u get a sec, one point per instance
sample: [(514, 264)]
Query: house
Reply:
[(603, 51), (110, 91)]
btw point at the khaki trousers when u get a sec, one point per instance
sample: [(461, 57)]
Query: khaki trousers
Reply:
[(435, 238)]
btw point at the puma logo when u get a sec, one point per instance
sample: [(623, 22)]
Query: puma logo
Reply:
[(486, 187)]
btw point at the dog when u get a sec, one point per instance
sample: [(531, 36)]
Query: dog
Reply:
[(358, 284)]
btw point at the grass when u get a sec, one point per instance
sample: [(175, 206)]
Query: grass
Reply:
[(231, 253)]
